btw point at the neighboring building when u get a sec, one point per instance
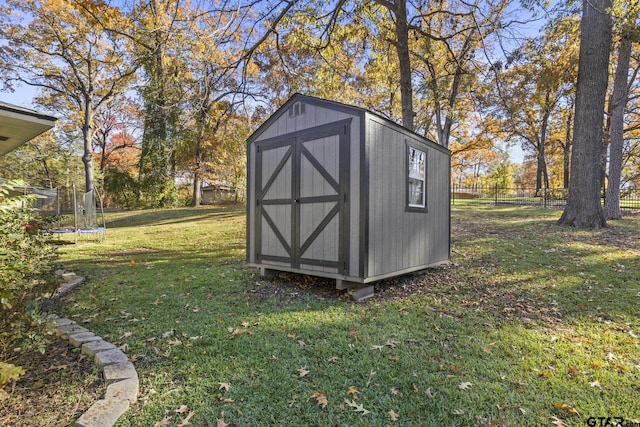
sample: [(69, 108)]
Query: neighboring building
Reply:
[(217, 194), (18, 125), (337, 191)]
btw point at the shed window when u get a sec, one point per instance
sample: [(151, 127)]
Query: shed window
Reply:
[(416, 183)]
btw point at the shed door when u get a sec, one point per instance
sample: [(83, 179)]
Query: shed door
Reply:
[(302, 216)]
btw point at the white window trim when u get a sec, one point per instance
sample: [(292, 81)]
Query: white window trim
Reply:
[(416, 175)]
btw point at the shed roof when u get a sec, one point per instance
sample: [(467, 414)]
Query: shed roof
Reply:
[(339, 106), (19, 125)]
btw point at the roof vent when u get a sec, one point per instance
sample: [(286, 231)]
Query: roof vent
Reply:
[(296, 109)]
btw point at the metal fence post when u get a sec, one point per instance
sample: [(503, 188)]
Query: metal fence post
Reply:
[(453, 194)]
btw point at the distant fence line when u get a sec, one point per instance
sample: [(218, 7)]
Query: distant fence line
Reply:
[(545, 197)]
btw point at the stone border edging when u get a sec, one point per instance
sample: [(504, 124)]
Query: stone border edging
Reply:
[(119, 373)]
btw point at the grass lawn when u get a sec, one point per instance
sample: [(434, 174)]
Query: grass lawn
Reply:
[(531, 324)]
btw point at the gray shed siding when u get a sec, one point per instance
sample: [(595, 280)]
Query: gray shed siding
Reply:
[(398, 240)]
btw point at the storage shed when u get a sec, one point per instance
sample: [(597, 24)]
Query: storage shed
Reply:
[(337, 191)]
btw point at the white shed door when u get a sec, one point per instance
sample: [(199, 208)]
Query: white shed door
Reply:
[(302, 216)]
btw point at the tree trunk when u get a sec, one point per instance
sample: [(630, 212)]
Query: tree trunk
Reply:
[(87, 137), (583, 209), (566, 152), (404, 61), (539, 166), (196, 200), (542, 162), (617, 105)]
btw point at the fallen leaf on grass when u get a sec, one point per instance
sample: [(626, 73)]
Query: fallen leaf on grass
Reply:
[(558, 422), (173, 343), (354, 392), (393, 415), (302, 372), (332, 359), (186, 419), (235, 332), (182, 409), (225, 386), (567, 408), (321, 398), (595, 384), (371, 374), (220, 423), (165, 421), (458, 412), (574, 371), (356, 407), (518, 407), (484, 422), (430, 393), (302, 343), (455, 370), (465, 385), (293, 401), (159, 353)]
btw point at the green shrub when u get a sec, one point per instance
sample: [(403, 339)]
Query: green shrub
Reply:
[(26, 274)]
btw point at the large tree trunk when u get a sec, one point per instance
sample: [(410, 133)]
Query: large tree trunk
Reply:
[(399, 9), (616, 131), (87, 156), (583, 207), (566, 152)]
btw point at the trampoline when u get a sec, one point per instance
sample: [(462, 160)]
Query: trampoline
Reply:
[(75, 212)]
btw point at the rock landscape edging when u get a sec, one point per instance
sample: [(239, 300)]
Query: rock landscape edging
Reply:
[(119, 373)]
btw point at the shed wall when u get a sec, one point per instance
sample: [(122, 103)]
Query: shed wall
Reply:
[(399, 240), (284, 124)]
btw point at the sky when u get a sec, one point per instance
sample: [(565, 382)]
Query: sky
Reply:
[(24, 95)]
